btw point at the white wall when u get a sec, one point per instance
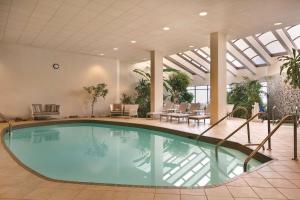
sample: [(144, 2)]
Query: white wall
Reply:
[(27, 77)]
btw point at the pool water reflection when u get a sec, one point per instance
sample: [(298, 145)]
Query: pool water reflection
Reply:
[(100, 153)]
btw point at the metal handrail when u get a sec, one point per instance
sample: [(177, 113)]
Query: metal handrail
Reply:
[(236, 130), (270, 135), (220, 120)]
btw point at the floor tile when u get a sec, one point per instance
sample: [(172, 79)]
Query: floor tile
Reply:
[(268, 193), (241, 191), (290, 193), (167, 197)]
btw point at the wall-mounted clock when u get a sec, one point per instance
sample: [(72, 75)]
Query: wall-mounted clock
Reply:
[(56, 66)]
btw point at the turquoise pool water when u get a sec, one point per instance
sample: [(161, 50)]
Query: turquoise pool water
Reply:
[(100, 153)]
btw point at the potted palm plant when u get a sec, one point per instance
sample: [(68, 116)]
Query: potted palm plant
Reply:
[(95, 92), (291, 64)]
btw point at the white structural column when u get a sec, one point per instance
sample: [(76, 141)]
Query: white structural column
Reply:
[(156, 81), (218, 69)]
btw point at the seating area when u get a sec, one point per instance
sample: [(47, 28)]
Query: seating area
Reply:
[(47, 111), (124, 110), (186, 112)]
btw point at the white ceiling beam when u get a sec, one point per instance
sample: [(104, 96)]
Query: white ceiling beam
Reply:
[(241, 58), (260, 49), (198, 59), (284, 38), (188, 65), (174, 66), (232, 69)]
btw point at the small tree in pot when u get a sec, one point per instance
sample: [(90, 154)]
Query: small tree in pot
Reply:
[(95, 92)]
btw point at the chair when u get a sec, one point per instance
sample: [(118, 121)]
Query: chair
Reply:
[(182, 112), (194, 108), (49, 110), (116, 109), (204, 116), (131, 110)]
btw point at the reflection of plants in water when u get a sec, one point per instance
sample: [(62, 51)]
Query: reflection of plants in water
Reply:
[(97, 149), (143, 142), (176, 147), (143, 145)]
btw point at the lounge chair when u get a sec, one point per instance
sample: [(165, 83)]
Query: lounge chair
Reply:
[(181, 114), (131, 110), (194, 108), (204, 116), (116, 109), (48, 111)]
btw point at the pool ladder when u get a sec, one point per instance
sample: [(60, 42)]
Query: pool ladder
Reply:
[(266, 139)]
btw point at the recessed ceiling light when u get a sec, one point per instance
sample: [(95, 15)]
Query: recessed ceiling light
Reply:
[(166, 28), (133, 41), (101, 54), (191, 46), (115, 49), (277, 24), (202, 14)]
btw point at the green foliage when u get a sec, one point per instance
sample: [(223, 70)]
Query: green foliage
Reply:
[(143, 97), (127, 99), (95, 92), (179, 82), (175, 88), (147, 76), (245, 94), (292, 67)]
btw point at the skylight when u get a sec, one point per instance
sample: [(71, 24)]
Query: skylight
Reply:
[(233, 61), (249, 52), (294, 33), (191, 60), (270, 42), (204, 52)]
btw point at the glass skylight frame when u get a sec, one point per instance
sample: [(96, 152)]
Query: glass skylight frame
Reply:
[(293, 32), (194, 62), (234, 61), (247, 49), (268, 44), (204, 52)]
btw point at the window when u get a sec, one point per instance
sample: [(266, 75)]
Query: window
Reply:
[(264, 90), (294, 33), (201, 94), (249, 52), (270, 42)]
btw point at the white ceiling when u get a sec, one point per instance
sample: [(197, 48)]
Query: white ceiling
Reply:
[(97, 26)]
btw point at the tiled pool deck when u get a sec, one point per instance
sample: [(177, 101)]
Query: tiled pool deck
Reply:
[(279, 179)]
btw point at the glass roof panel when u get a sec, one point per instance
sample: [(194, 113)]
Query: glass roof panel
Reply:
[(267, 37), (241, 44), (297, 42), (229, 57), (294, 31), (248, 51), (275, 47), (206, 50), (233, 61), (237, 64), (202, 54), (271, 43), (258, 60)]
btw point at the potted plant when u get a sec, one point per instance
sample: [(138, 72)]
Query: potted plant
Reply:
[(95, 92), (292, 66)]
